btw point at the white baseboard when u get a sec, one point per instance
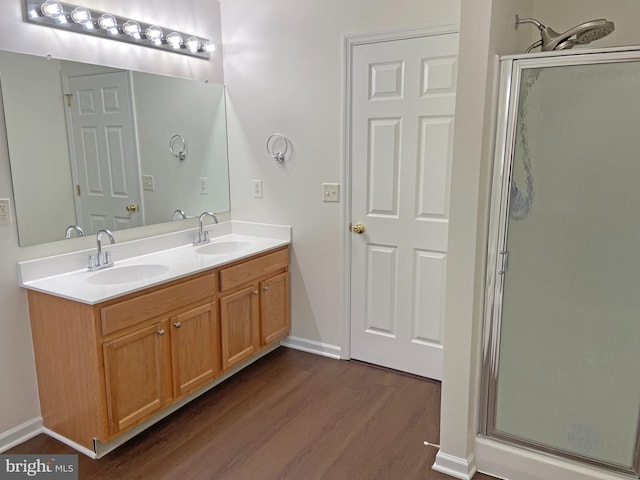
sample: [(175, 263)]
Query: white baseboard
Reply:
[(456, 467), (21, 433), (311, 346), (70, 443)]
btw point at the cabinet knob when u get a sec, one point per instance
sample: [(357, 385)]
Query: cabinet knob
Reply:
[(265, 288), (255, 292), (177, 324), (161, 332)]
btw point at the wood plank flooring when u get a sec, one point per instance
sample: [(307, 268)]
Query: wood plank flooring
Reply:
[(289, 416)]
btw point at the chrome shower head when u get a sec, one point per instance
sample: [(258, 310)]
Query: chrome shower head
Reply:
[(582, 34)]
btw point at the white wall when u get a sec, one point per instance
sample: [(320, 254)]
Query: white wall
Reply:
[(18, 395), (38, 145), (284, 73)]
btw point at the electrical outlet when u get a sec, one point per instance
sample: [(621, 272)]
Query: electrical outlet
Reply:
[(257, 189), (330, 192), (148, 182), (203, 185), (5, 211)]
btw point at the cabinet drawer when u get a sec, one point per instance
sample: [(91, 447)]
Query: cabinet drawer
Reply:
[(124, 314), (250, 270)]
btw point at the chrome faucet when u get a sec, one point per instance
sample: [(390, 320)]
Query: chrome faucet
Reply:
[(179, 214), (70, 229), (97, 262), (201, 236)]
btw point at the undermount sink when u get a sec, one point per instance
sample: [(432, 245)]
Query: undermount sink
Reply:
[(126, 274), (223, 248)]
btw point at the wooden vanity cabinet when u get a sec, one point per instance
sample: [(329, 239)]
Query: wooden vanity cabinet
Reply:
[(157, 364), (103, 369), (254, 305)]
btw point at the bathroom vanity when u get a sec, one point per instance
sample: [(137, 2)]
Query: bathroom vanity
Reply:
[(115, 352)]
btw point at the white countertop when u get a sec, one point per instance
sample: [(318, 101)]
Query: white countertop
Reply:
[(163, 258)]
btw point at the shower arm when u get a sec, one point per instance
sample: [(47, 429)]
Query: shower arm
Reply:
[(532, 21)]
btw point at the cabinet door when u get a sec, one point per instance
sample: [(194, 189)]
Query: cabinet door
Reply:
[(136, 366), (195, 354), (274, 308), (239, 326)]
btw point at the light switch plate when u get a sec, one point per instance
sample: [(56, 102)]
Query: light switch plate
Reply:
[(257, 189), (330, 192), (148, 182), (203, 185), (5, 211)]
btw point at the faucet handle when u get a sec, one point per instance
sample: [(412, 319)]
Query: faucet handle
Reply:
[(92, 261), (107, 258)]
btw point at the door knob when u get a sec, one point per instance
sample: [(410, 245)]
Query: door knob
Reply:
[(131, 208), (358, 228)]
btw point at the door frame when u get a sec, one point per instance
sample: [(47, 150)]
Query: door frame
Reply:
[(349, 43)]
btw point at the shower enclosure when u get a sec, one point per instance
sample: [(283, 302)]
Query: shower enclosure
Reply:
[(562, 319)]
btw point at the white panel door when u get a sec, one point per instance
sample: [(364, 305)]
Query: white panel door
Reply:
[(105, 155), (403, 101)]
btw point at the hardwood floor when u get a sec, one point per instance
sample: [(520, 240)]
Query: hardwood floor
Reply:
[(289, 416)]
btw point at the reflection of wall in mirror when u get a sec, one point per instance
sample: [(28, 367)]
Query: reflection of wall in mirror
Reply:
[(39, 152), (38, 147), (157, 121)]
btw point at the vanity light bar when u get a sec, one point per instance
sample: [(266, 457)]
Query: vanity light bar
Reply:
[(65, 16)]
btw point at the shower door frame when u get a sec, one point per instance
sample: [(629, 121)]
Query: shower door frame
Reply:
[(511, 69)]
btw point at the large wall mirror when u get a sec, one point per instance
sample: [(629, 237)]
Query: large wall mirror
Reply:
[(90, 146)]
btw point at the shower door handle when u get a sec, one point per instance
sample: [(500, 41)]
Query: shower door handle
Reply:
[(505, 262)]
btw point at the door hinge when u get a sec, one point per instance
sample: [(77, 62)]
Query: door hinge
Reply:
[(68, 97), (78, 189), (505, 262)]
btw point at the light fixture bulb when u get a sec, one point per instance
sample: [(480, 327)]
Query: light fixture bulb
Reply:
[(192, 44), (208, 47), (131, 28), (107, 22), (81, 15), (154, 33), (174, 40), (51, 9)]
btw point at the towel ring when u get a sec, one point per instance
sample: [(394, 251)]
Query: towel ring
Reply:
[(277, 156), (178, 153)]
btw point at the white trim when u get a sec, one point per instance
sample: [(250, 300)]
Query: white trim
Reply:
[(70, 443), (20, 434), (350, 41), (439, 28), (506, 461), (311, 346), (461, 468)]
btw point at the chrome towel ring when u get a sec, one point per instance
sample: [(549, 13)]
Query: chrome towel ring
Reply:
[(179, 151), (272, 142)]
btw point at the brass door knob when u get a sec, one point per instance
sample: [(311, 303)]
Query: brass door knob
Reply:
[(131, 208), (358, 228)]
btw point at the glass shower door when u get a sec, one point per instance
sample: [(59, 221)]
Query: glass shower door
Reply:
[(563, 351)]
